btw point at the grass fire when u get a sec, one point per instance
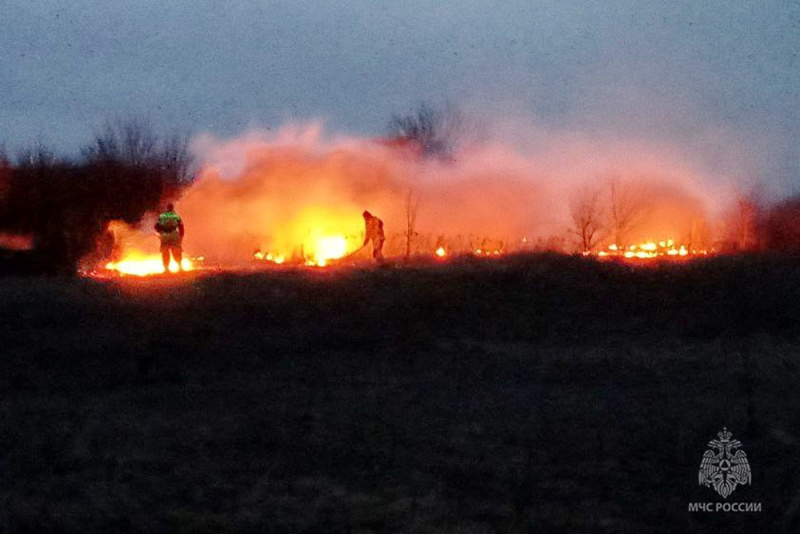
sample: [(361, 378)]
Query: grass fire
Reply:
[(428, 267), (295, 197), (457, 342)]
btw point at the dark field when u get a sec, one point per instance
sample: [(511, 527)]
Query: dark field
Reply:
[(529, 394)]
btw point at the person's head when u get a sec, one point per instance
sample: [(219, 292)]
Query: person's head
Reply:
[(366, 214), (170, 207)]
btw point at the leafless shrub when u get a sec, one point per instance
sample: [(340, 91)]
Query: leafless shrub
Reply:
[(626, 208), (437, 131), (587, 217)]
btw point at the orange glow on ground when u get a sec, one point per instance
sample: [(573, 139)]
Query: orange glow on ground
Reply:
[(651, 250), (16, 241), (136, 264)]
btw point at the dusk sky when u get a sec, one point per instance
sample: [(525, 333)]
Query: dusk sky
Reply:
[(717, 74)]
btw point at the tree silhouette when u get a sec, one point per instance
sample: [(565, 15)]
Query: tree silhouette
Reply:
[(66, 206), (587, 217), (626, 208), (437, 131)]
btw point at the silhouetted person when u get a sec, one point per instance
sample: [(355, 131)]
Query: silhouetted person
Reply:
[(374, 232), (170, 231)]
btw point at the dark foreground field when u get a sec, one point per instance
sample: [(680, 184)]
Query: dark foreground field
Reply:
[(530, 394)]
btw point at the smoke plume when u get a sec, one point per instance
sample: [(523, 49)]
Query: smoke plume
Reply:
[(281, 192)]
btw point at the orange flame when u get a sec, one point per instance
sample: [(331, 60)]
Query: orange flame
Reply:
[(137, 252), (650, 250), (138, 264)]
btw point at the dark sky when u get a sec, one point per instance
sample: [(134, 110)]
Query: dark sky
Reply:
[(715, 73)]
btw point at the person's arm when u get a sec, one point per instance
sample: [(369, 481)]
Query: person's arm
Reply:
[(180, 228)]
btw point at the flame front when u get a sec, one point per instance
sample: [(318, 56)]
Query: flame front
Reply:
[(135, 253), (330, 248), (318, 252), (652, 249), (298, 199), (137, 264)]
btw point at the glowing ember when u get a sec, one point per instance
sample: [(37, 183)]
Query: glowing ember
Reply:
[(650, 250), (274, 258), (441, 252), (16, 241), (144, 265), (485, 252), (324, 249)]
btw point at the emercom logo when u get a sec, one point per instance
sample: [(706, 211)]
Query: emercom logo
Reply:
[(727, 467), (724, 506), (724, 467)]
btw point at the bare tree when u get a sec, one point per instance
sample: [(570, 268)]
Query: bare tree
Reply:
[(437, 131), (412, 206), (134, 142), (174, 155), (131, 142), (587, 217), (5, 174), (65, 205), (781, 226), (175, 162), (626, 208), (131, 151), (37, 157), (748, 210)]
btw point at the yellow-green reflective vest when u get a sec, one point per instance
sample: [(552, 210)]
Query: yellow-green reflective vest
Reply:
[(169, 222)]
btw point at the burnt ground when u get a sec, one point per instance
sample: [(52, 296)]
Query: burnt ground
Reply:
[(528, 394)]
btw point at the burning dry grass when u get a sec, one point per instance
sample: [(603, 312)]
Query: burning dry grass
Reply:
[(297, 197), (539, 393)]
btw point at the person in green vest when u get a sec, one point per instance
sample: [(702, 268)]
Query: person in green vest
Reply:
[(170, 230)]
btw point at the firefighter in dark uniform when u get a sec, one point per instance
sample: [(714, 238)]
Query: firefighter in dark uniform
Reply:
[(374, 233)]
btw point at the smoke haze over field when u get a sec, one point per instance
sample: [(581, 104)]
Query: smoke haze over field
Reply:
[(273, 191), (684, 105), (715, 76)]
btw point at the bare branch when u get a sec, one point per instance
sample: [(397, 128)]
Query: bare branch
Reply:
[(587, 217), (437, 131), (412, 206), (130, 142), (626, 208)]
